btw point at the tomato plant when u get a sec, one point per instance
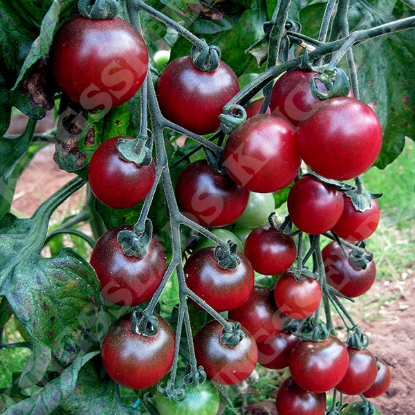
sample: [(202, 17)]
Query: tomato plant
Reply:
[(382, 381)]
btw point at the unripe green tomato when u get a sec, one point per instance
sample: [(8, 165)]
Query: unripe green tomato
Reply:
[(223, 234), (356, 408), (259, 207), (201, 400), (242, 233), (161, 57)]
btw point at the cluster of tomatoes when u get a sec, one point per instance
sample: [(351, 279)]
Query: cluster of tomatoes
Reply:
[(338, 139)]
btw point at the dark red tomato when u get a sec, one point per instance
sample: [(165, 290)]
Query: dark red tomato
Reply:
[(319, 366), (127, 280), (222, 289), (354, 225), (361, 372), (137, 361), (223, 364), (193, 98), (259, 314), (293, 400), (341, 138), (115, 182), (343, 275), (99, 63), (297, 299), (274, 353), (382, 381), (313, 206), (254, 107), (269, 250), (261, 154), (292, 97), (209, 198)]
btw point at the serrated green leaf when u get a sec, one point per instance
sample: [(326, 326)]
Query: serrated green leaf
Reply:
[(116, 217)]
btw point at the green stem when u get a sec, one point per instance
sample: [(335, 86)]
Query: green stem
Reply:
[(75, 232)]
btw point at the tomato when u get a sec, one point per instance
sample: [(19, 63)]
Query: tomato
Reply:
[(225, 236), (201, 400), (261, 154), (361, 372), (357, 408), (254, 107), (354, 225), (259, 314), (257, 211), (193, 98), (127, 280), (382, 381), (209, 198), (99, 63), (343, 275), (274, 353), (319, 366), (115, 182), (313, 206), (297, 299), (269, 250), (223, 364), (293, 400), (137, 361), (292, 97), (341, 138), (222, 289)]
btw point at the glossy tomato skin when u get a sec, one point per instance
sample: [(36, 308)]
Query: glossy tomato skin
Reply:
[(293, 400), (361, 372), (254, 107), (259, 314), (223, 364), (382, 381), (99, 63), (136, 361), (209, 198), (193, 98), (354, 225), (340, 139), (222, 289), (115, 182), (319, 366), (355, 409), (297, 299), (257, 211), (269, 250), (274, 353), (127, 280), (261, 154), (343, 275), (313, 206)]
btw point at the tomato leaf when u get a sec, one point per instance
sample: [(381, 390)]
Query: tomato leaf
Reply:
[(56, 391)]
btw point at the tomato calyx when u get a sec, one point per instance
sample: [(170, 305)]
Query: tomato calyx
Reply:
[(358, 340), (232, 335), (98, 9), (362, 408), (313, 331), (336, 82), (136, 242), (135, 151), (232, 117), (360, 197), (143, 323), (206, 58), (227, 255), (359, 257)]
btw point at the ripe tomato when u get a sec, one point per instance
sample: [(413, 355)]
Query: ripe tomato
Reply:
[(382, 381), (357, 408), (269, 250), (257, 211), (259, 314), (222, 289), (354, 225), (319, 366), (137, 361), (201, 400), (223, 364), (361, 372), (99, 63), (115, 182), (297, 299), (343, 275), (261, 154), (209, 198), (193, 98), (340, 139), (274, 353), (254, 107), (293, 400), (127, 280), (313, 206)]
